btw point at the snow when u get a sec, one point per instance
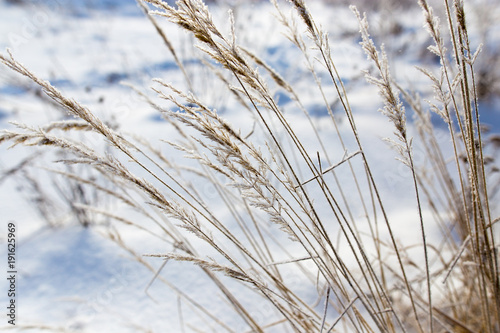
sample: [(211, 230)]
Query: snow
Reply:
[(79, 279)]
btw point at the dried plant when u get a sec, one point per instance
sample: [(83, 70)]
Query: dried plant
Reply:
[(283, 212)]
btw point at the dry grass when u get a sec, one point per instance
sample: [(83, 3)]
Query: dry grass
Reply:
[(271, 185)]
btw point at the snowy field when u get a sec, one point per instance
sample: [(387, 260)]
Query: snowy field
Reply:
[(73, 278)]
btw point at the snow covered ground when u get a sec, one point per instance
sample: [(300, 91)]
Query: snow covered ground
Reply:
[(76, 279)]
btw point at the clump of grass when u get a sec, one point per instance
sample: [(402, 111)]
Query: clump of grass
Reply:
[(279, 196)]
